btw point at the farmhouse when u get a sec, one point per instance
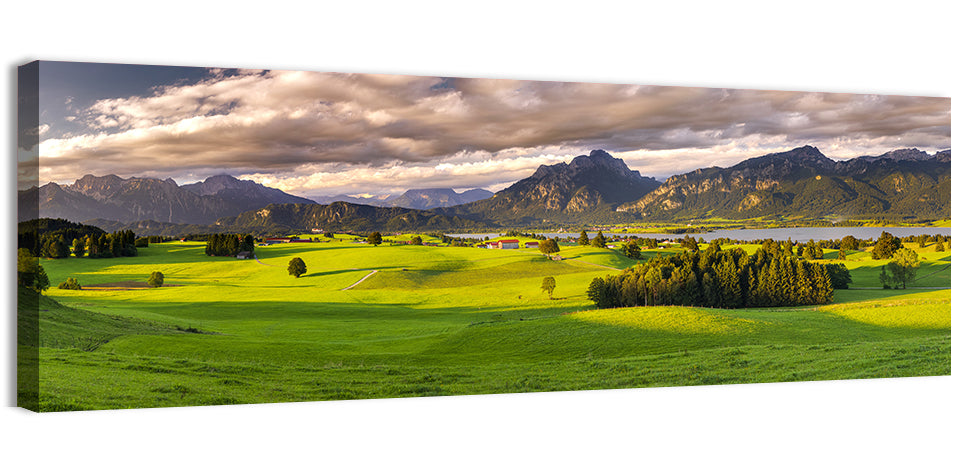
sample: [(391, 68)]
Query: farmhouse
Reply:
[(243, 255), (532, 245), (508, 244)]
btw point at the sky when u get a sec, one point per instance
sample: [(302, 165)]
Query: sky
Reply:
[(320, 133)]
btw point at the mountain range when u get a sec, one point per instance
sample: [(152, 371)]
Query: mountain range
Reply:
[(803, 182), (428, 198), (591, 189), (586, 189)]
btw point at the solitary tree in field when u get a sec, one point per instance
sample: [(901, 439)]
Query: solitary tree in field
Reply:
[(583, 238), (548, 246), (375, 238), (416, 240), (939, 247), (904, 266), (549, 285), (156, 279), (297, 267)]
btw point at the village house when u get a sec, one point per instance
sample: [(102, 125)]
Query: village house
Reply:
[(508, 244), (243, 255), (532, 245)]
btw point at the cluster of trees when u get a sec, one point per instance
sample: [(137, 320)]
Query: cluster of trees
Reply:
[(117, 244), (886, 246), (598, 241), (632, 249), (228, 245), (59, 238), (717, 278), (45, 237)]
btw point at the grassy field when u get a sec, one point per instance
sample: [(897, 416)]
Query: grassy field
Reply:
[(441, 321)]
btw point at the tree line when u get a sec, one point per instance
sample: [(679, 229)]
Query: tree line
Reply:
[(718, 278), (229, 245)]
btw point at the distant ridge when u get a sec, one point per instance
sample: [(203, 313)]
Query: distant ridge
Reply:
[(132, 199), (803, 182)]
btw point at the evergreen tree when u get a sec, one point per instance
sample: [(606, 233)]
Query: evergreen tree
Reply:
[(583, 238), (79, 248), (939, 247), (599, 240)]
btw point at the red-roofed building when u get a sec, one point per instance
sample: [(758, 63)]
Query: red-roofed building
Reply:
[(508, 244), (532, 245)]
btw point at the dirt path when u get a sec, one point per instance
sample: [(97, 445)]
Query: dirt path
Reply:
[(361, 280), (261, 263)]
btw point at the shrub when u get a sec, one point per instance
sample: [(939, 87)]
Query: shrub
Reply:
[(156, 279), (70, 283)]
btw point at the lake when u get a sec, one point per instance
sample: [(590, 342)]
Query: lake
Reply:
[(797, 234)]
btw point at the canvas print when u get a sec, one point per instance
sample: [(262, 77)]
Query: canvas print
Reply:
[(196, 236)]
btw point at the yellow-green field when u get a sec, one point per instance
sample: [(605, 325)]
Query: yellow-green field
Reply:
[(440, 321)]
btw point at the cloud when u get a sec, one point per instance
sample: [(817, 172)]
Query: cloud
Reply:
[(305, 129)]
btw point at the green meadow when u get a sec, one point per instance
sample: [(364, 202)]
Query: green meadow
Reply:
[(428, 321)]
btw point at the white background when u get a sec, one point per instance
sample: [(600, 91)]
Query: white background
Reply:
[(903, 48)]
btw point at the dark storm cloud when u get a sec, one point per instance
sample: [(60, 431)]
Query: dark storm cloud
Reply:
[(295, 127)]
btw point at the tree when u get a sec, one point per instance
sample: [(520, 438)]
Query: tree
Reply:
[(904, 266), (70, 283), (156, 279), (599, 240), (297, 267), (939, 247), (884, 279), (839, 275), (548, 246), (79, 247), (841, 254), (30, 273), (549, 285), (849, 243), (583, 238), (688, 243), (632, 250), (886, 246), (416, 240), (375, 238)]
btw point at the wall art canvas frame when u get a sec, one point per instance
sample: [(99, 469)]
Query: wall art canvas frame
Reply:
[(206, 236)]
